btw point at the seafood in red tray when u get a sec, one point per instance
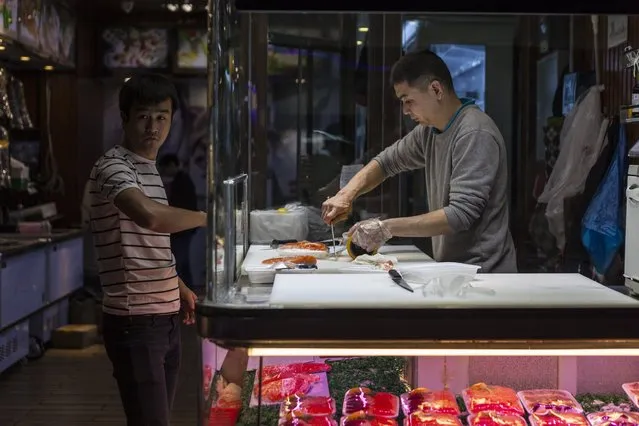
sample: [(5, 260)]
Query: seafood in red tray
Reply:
[(482, 397), (294, 260), (363, 419), (278, 372), (304, 245), (376, 404), (548, 399), (419, 418), (426, 400), (614, 418), (300, 405), (553, 418), (489, 418), (276, 390), (306, 421)]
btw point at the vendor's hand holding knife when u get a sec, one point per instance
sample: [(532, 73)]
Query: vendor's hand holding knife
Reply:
[(337, 208), (370, 234)]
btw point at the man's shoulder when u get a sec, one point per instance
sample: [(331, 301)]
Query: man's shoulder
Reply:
[(475, 120), (114, 156)]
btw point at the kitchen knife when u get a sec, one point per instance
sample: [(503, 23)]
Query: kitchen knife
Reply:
[(276, 243), (397, 279), (334, 242)]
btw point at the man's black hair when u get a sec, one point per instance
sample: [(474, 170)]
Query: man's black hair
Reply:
[(146, 90), (169, 159), (419, 68)]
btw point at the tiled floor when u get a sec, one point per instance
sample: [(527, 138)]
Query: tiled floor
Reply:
[(75, 388)]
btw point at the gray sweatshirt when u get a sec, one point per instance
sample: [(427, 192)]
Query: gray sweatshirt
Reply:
[(467, 176)]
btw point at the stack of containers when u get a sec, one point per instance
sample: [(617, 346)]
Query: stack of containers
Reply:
[(424, 407), (301, 410), (363, 407), (491, 405), (548, 407)]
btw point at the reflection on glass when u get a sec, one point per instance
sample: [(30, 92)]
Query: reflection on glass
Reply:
[(467, 66)]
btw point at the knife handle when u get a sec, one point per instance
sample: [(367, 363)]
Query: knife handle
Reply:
[(277, 243)]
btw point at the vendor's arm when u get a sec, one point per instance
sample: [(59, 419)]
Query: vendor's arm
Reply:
[(405, 154), (475, 166)]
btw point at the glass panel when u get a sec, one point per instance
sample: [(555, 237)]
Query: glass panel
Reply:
[(323, 100)]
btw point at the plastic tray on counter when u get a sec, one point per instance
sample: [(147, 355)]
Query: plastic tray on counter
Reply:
[(613, 418), (376, 404), (553, 418), (427, 401), (419, 418), (307, 421), (489, 418), (482, 397), (549, 399), (363, 419), (307, 406)]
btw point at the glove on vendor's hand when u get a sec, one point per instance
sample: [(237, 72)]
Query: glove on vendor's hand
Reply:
[(370, 234)]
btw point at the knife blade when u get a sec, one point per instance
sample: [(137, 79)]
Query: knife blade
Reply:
[(334, 242), (399, 280)]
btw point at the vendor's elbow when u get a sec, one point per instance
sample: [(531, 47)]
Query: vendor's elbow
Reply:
[(461, 218)]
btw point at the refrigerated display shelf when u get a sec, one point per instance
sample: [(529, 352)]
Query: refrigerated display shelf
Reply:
[(387, 374)]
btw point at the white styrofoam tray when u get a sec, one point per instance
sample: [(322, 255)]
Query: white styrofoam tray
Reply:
[(510, 290)]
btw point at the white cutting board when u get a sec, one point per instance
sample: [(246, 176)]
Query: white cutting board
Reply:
[(378, 290), (258, 253)]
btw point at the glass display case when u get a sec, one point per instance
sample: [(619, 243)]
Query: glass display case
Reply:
[(300, 101)]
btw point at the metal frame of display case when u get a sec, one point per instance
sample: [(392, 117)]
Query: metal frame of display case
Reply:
[(249, 325)]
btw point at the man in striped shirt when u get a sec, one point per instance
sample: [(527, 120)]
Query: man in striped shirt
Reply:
[(131, 224)]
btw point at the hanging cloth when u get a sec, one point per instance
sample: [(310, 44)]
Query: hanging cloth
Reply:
[(602, 232)]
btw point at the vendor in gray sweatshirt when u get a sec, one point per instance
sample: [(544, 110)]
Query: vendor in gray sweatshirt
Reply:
[(464, 157)]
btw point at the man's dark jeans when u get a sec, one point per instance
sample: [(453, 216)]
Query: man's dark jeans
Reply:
[(145, 352)]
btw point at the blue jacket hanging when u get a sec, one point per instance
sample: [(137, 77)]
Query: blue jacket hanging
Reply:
[(602, 230)]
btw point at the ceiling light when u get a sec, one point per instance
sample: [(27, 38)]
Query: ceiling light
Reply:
[(363, 29), (173, 7), (359, 42), (48, 67), (187, 7), (3, 47), (25, 58)]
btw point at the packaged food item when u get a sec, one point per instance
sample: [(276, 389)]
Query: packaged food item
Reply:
[(303, 248), (275, 391), (227, 403), (426, 400), (306, 421), (632, 390), (376, 404), (419, 418), (482, 397), (613, 418), (292, 260), (301, 406), (361, 418), (491, 418), (282, 371), (560, 401), (553, 418)]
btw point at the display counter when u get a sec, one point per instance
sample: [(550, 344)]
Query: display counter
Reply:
[(38, 273), (323, 307)]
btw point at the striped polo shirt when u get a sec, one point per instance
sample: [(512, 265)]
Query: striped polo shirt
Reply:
[(136, 265)]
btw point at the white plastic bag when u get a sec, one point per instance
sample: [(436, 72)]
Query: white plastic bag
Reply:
[(583, 137)]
